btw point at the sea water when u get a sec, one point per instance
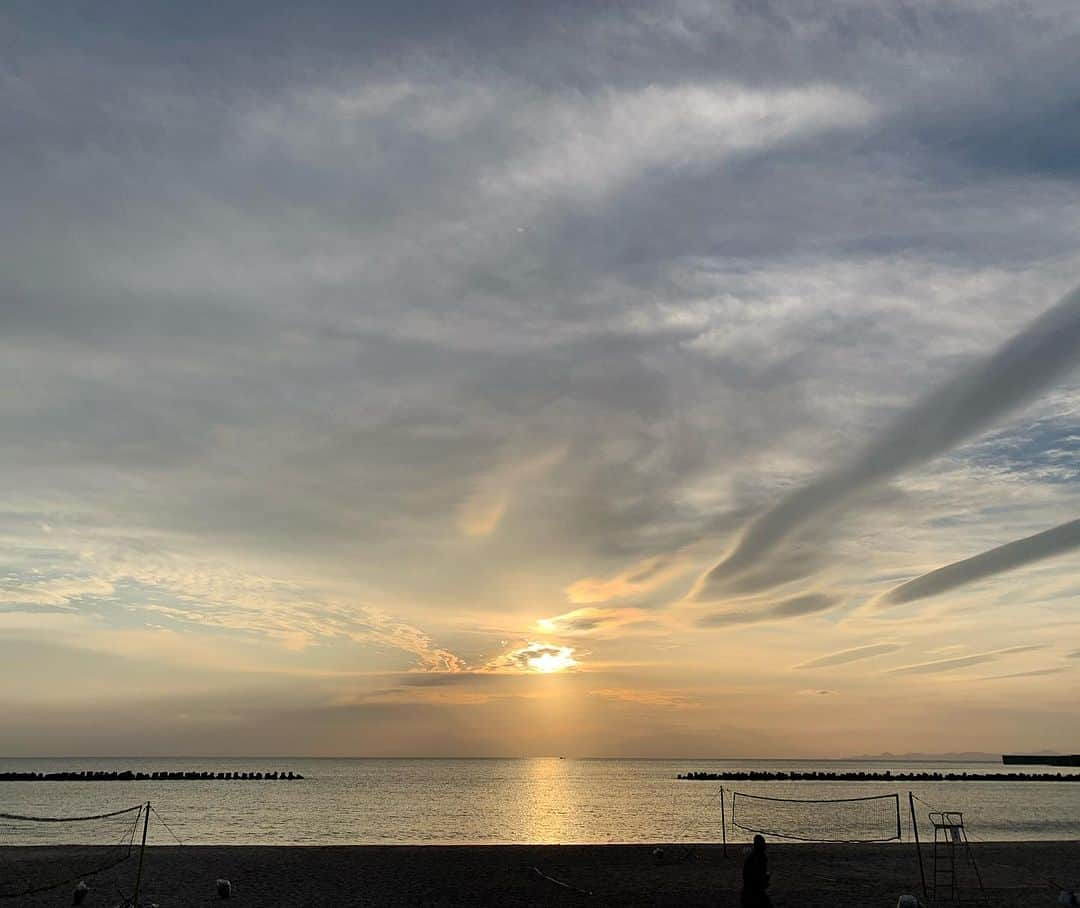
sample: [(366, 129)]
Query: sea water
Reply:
[(542, 800)]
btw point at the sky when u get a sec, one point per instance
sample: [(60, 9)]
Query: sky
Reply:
[(643, 379)]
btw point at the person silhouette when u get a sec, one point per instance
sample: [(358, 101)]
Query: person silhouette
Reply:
[(755, 876)]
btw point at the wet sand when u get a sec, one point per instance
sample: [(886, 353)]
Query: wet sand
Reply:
[(830, 876)]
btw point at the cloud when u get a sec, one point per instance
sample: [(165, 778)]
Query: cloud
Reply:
[(605, 142), (591, 621), (959, 662), (1045, 350), (60, 592), (37, 620), (483, 510), (640, 578), (998, 560), (1034, 673), (445, 679), (795, 607), (646, 697), (854, 654), (543, 658)]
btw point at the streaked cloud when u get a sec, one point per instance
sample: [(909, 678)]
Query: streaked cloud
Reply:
[(482, 511), (969, 402), (795, 607), (1006, 557), (959, 662), (1033, 673), (658, 698), (855, 654), (639, 579), (606, 141), (590, 620)]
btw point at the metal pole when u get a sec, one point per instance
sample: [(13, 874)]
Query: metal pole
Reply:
[(918, 848), (142, 851), (723, 819)]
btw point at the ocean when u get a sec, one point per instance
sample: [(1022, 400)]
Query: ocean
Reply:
[(477, 801)]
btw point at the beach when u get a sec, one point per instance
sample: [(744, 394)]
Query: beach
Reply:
[(840, 876)]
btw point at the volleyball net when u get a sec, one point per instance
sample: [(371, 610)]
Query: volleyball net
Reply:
[(850, 820), (31, 861)]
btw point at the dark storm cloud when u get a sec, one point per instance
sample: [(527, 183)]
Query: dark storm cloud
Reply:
[(1004, 558)]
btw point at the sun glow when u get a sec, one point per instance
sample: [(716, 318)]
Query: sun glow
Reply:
[(551, 659), (533, 657)]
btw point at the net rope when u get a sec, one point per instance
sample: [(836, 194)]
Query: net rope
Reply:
[(875, 818), (39, 863)]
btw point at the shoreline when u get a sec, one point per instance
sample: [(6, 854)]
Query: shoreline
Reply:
[(1016, 874)]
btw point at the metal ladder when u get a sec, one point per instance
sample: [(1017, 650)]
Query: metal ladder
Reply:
[(954, 865)]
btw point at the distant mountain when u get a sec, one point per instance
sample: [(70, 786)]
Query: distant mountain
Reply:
[(973, 756)]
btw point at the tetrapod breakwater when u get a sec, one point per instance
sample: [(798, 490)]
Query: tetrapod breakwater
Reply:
[(128, 775), (886, 776)]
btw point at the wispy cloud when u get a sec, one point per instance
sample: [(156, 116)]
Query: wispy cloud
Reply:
[(959, 662), (586, 621), (1004, 558), (854, 654), (646, 697), (1021, 368), (795, 607), (1033, 673), (483, 510), (641, 578)]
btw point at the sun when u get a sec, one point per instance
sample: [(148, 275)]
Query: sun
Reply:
[(550, 659)]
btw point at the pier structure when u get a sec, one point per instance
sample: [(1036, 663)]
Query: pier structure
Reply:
[(127, 775), (886, 776)]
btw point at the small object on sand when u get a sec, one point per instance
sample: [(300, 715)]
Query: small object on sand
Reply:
[(80, 893), (907, 901), (552, 879), (224, 889)]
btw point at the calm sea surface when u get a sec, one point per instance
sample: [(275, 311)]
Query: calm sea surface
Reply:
[(499, 801)]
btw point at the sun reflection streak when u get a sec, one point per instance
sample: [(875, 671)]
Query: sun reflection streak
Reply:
[(547, 809)]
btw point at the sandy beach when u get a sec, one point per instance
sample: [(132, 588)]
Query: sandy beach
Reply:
[(1015, 874)]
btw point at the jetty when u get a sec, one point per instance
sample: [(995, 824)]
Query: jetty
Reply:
[(127, 775), (1041, 759), (886, 776)]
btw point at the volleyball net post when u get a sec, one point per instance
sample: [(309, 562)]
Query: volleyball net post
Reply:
[(723, 820), (142, 854), (918, 847)]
